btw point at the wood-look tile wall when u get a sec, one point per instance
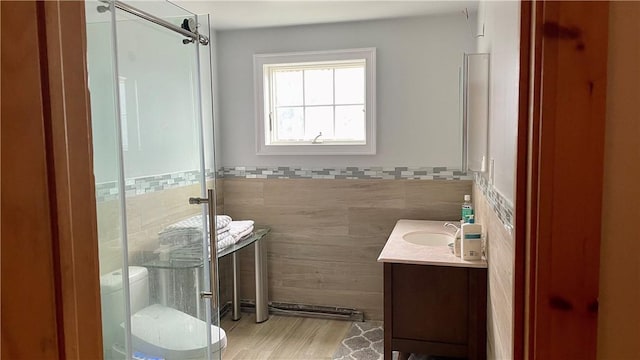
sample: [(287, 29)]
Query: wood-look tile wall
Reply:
[(501, 257), (147, 215), (327, 234)]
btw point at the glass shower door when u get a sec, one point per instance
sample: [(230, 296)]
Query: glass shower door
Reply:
[(166, 299)]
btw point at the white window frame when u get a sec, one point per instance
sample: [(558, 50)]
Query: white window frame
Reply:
[(262, 107)]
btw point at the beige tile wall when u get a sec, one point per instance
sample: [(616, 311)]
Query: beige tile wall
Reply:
[(327, 234), (500, 254), (147, 215)]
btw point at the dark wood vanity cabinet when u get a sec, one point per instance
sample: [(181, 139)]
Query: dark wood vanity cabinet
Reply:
[(435, 310)]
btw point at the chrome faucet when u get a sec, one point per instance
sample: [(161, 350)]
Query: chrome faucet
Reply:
[(451, 225), (448, 224)]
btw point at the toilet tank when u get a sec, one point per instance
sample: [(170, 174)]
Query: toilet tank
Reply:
[(112, 293), (112, 299), (138, 288)]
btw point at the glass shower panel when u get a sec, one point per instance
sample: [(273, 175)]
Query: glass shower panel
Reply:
[(149, 158), (100, 63), (209, 138), (160, 114)]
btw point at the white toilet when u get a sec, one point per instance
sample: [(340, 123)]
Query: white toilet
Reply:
[(156, 330)]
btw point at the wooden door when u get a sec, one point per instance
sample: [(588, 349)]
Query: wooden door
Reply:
[(50, 303), (565, 130)]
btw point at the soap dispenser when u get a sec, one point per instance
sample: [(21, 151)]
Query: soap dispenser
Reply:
[(471, 236)]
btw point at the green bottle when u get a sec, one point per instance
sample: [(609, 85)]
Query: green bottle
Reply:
[(467, 209)]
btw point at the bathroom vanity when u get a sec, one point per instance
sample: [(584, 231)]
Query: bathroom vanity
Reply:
[(434, 302)]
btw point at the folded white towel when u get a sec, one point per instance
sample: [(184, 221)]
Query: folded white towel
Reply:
[(195, 222), (240, 229), (225, 240), (248, 231), (222, 221), (189, 230), (223, 230), (225, 235), (183, 232)]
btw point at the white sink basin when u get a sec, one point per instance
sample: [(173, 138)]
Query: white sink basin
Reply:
[(428, 238)]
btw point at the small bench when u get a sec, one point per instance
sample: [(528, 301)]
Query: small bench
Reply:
[(190, 258), (260, 271)]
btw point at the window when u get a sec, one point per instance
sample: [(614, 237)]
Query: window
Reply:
[(315, 103)]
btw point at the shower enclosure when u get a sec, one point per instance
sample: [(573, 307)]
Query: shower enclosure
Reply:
[(151, 106)]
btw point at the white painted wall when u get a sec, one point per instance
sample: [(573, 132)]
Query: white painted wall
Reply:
[(501, 21), (101, 87), (418, 112), (208, 74), (162, 115), (501, 39), (217, 130)]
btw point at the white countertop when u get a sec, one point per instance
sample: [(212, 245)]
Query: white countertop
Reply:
[(397, 250)]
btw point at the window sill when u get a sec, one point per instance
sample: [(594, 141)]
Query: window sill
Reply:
[(316, 149)]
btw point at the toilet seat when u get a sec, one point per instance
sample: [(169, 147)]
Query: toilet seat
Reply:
[(172, 334)]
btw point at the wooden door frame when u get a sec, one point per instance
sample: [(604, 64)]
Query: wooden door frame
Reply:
[(48, 103), (520, 211), (565, 65), (559, 180), (72, 155)]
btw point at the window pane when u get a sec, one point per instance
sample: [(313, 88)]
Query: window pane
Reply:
[(318, 119), (350, 123), (288, 86), (318, 87), (290, 123), (350, 86)]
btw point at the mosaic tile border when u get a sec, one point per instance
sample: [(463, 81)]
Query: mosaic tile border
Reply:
[(350, 173), (502, 207), (148, 184), (143, 185)]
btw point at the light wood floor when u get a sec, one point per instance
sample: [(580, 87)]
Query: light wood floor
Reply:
[(282, 337)]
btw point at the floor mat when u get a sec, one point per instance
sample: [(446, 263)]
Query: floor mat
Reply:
[(364, 341)]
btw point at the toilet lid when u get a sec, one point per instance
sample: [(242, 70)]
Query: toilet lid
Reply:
[(164, 331)]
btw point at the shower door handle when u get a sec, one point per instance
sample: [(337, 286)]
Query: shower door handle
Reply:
[(210, 200), (213, 248), (198, 200)]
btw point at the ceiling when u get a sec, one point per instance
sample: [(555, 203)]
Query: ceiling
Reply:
[(227, 15)]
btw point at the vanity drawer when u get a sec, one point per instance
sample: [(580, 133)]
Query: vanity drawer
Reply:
[(435, 310)]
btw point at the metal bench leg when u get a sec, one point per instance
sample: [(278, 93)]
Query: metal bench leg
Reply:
[(262, 299), (235, 312)]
